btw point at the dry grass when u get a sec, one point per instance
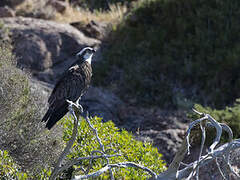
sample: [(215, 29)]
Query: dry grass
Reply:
[(36, 9), (40, 9), (113, 16)]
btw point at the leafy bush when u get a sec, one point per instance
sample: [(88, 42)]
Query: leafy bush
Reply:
[(9, 169), (171, 48), (20, 112), (115, 141)]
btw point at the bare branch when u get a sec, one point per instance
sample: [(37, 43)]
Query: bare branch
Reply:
[(119, 165), (96, 133), (101, 146), (192, 124), (77, 160), (192, 170)]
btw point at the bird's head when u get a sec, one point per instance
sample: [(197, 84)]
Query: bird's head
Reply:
[(86, 54)]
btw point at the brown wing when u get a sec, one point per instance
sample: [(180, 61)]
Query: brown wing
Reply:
[(72, 85)]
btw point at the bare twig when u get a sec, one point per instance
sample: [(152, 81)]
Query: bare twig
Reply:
[(77, 160), (96, 133), (201, 149), (119, 165), (101, 146)]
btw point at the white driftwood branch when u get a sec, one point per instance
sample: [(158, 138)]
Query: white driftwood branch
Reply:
[(219, 152), (118, 165), (78, 160), (192, 170), (101, 146), (96, 133)]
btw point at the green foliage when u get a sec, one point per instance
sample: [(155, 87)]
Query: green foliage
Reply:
[(20, 112), (9, 169), (167, 47), (228, 115), (115, 141)]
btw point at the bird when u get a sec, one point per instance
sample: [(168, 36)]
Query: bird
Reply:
[(73, 83)]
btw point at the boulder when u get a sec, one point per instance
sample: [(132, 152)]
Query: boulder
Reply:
[(6, 12), (93, 29), (11, 3), (60, 6), (102, 103), (46, 48)]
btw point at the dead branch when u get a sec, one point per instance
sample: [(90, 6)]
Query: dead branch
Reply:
[(192, 170)]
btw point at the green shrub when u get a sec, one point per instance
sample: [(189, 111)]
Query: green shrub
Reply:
[(115, 141), (21, 106), (169, 47), (9, 169)]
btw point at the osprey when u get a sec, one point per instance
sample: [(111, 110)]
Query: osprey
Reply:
[(71, 86)]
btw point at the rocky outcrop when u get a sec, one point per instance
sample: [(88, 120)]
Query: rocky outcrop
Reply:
[(11, 3), (60, 6), (93, 29), (102, 103), (165, 129), (6, 12), (46, 48)]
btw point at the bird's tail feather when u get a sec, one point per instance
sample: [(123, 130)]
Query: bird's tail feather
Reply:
[(56, 115), (46, 116)]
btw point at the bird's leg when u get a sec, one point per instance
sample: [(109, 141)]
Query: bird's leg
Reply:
[(79, 105), (76, 106)]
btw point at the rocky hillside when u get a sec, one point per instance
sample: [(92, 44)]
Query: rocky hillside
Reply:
[(153, 57), (175, 53)]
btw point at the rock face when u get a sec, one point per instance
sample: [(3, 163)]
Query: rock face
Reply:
[(11, 3), (93, 29), (6, 12), (165, 129), (103, 103), (46, 48), (60, 6)]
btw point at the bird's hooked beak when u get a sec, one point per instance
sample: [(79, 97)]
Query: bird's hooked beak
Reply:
[(84, 49)]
